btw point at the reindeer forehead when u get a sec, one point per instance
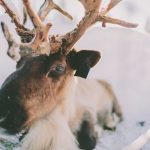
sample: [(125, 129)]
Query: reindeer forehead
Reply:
[(47, 59), (57, 56)]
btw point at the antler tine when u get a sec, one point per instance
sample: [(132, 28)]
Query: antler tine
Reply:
[(13, 47), (25, 16), (25, 34), (49, 5), (92, 15), (41, 30), (111, 5), (12, 15), (106, 19)]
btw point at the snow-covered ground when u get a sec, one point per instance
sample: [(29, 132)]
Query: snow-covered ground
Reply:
[(125, 64)]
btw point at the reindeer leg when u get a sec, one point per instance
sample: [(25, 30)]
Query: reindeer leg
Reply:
[(89, 133), (86, 137), (111, 121)]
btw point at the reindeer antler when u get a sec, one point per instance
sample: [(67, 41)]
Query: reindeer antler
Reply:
[(49, 5), (13, 46), (40, 31), (41, 43), (12, 15), (25, 34), (93, 15), (112, 4)]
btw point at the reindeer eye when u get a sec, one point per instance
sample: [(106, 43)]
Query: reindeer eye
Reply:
[(56, 70), (59, 68)]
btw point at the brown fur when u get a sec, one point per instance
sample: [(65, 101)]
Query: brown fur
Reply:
[(45, 95)]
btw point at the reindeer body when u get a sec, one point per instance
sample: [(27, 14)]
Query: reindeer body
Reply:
[(93, 107), (97, 99)]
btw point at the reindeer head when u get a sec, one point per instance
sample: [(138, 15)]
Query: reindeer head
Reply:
[(46, 64)]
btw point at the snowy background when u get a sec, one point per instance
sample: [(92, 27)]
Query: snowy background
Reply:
[(125, 62)]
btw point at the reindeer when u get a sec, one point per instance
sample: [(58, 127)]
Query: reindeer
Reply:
[(42, 97)]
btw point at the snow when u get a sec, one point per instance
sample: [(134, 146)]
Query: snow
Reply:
[(125, 64)]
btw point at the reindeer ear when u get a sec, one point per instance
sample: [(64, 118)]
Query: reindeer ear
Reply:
[(83, 61)]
